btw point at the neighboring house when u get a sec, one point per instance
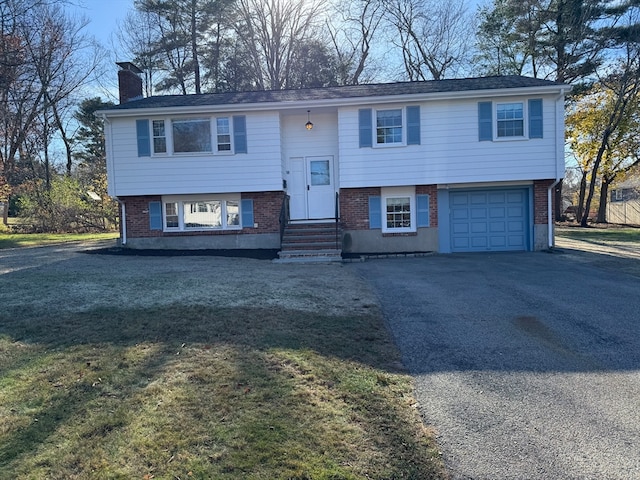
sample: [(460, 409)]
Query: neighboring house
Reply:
[(457, 165), (624, 204)]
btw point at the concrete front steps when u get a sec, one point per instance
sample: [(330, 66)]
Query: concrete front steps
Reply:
[(311, 242)]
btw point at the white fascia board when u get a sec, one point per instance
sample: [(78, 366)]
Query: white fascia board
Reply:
[(337, 102)]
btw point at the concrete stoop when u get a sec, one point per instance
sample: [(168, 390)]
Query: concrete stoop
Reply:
[(310, 243)]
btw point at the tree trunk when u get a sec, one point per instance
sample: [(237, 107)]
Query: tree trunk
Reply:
[(602, 208), (581, 195)]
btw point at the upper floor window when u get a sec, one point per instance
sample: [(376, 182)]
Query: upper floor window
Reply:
[(389, 126), (223, 129), (217, 135), (510, 119), (159, 137), (191, 135)]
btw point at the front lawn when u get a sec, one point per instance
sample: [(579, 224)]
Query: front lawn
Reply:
[(120, 367), (13, 240), (601, 234)]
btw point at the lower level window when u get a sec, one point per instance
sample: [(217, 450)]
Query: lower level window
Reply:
[(202, 214), (398, 210)]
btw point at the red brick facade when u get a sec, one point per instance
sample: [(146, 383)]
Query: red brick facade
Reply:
[(540, 195), (266, 213), (354, 205)]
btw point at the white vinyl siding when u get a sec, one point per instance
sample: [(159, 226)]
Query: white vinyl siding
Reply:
[(259, 170), (449, 151)]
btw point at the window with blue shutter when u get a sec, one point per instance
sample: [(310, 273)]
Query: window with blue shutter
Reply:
[(240, 134), (366, 127), (144, 138), (375, 212), (246, 206), (155, 216), (413, 125), (535, 118), (485, 121), (422, 210)]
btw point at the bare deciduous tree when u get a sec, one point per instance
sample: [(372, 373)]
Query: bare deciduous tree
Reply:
[(432, 36), (271, 31), (352, 28)]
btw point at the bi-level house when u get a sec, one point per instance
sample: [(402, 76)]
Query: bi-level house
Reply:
[(459, 165)]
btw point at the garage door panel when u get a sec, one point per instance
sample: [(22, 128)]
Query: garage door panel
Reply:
[(478, 213), (461, 228), (478, 199), (514, 227), (492, 220), (459, 200), (460, 214), (497, 212), (478, 227), (497, 198), (515, 197), (479, 242), (497, 227), (498, 242)]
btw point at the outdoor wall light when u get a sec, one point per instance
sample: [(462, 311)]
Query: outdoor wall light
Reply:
[(308, 125)]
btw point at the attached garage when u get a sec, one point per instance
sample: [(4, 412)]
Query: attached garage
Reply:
[(489, 220)]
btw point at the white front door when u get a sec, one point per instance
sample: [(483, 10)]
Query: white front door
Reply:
[(311, 188)]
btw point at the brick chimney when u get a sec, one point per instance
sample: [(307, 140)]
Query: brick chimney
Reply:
[(129, 82)]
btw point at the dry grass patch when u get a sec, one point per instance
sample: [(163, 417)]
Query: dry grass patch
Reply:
[(288, 387)]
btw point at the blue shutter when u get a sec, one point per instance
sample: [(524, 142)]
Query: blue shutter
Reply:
[(535, 118), (375, 212), (485, 121), (155, 216), (246, 209), (366, 127), (240, 134), (144, 139), (422, 210), (413, 125)]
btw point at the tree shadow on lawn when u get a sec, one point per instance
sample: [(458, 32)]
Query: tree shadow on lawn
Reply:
[(278, 355), (360, 338)]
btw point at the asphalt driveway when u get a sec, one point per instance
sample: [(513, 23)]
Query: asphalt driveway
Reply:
[(526, 364)]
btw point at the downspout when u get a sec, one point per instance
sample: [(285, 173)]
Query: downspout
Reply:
[(123, 221), (550, 211)]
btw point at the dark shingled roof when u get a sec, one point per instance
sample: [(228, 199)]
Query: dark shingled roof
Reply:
[(331, 93)]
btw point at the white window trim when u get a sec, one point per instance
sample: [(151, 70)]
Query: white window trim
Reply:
[(213, 133), (374, 132), (395, 192), (525, 121), (182, 199)]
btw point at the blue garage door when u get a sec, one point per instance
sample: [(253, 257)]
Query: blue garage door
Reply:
[(489, 220)]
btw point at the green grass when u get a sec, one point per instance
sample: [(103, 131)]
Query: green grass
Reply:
[(14, 240), (107, 390), (592, 234)]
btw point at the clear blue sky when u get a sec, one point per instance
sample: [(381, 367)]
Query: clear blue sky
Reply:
[(104, 16)]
